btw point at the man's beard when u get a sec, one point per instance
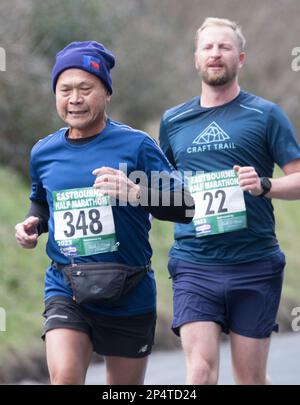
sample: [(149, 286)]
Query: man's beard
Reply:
[(219, 78)]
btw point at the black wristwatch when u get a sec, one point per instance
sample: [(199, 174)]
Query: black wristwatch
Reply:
[(266, 185)]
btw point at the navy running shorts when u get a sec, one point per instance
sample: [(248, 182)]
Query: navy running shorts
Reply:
[(131, 336), (242, 298)]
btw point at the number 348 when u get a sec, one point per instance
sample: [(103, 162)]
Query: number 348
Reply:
[(85, 222)]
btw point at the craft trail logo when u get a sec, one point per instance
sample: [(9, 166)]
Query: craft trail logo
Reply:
[(2, 320), (2, 60), (212, 133), (295, 65), (211, 138)]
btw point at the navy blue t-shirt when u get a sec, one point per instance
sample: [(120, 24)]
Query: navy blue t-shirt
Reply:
[(57, 164), (248, 131)]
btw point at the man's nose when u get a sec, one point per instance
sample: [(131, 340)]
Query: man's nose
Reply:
[(215, 51), (75, 97)]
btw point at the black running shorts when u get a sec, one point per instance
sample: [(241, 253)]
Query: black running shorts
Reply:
[(131, 336)]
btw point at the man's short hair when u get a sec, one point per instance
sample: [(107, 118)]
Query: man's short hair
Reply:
[(223, 22)]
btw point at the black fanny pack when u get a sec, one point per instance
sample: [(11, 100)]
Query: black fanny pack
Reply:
[(101, 283)]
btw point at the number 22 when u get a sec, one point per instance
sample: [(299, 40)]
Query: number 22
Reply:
[(208, 195)]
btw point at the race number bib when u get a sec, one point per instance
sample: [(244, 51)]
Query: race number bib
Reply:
[(83, 222), (219, 201)]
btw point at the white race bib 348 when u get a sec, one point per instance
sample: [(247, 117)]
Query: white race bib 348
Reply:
[(83, 222)]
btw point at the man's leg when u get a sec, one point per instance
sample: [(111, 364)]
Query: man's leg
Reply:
[(249, 359), (253, 299), (125, 370), (201, 341), (68, 355)]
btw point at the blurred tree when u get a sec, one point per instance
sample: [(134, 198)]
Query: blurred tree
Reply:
[(54, 24), (32, 33)]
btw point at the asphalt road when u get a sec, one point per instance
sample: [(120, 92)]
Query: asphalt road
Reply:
[(169, 368)]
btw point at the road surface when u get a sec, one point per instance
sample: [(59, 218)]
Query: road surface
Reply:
[(168, 367)]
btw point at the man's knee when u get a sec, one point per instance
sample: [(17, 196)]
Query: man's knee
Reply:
[(254, 377), (202, 372), (65, 376)]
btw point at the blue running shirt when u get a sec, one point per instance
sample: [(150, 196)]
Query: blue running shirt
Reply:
[(248, 131), (57, 164)]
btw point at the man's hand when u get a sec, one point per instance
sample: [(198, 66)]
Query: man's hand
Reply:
[(114, 183), (27, 233), (249, 179)]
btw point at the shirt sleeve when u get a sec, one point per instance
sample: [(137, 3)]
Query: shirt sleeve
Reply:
[(164, 142), (164, 194), (159, 174), (40, 210), (39, 204), (281, 137), (38, 193)]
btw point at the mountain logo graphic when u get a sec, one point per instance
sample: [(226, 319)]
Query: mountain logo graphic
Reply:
[(212, 133)]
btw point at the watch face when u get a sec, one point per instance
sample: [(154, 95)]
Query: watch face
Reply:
[(266, 184)]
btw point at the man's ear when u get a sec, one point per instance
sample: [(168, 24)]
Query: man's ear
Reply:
[(242, 57), (196, 61)]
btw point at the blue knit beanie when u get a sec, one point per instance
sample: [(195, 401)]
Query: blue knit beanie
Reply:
[(87, 55)]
